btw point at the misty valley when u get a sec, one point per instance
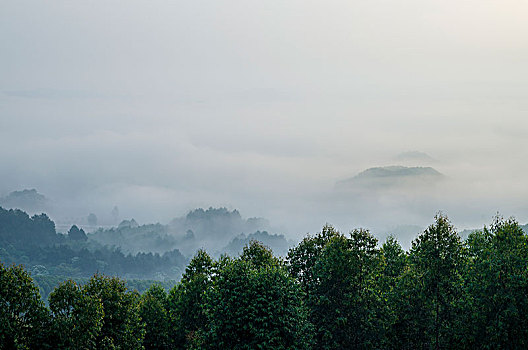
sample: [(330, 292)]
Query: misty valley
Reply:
[(213, 280), (273, 175), (147, 252)]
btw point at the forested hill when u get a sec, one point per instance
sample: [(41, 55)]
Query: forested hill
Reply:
[(28, 199), (333, 291), (153, 251), (34, 242), (218, 230), (385, 177)]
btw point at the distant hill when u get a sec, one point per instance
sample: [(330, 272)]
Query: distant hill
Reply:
[(28, 200), (34, 242), (396, 171), (133, 238), (217, 230), (213, 228), (392, 176)]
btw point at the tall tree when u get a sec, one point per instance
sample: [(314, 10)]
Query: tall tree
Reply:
[(337, 274), (258, 255), (303, 257), (437, 259), (153, 312), (77, 317), (497, 288), (255, 304), (77, 234), (122, 327), (23, 317), (393, 264), (186, 301)]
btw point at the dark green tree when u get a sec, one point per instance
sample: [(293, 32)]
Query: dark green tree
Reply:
[(77, 318), (256, 305), (153, 312), (337, 274), (303, 257), (77, 234), (258, 255), (393, 264), (186, 301), (122, 326), (394, 260), (433, 287), (23, 317), (497, 288)]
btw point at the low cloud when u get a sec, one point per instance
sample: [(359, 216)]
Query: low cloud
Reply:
[(264, 107)]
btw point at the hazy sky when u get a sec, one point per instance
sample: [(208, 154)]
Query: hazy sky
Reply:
[(162, 106)]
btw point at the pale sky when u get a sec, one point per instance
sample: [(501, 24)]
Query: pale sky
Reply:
[(162, 106)]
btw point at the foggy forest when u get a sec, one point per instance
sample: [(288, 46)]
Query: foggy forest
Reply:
[(290, 174), (330, 291)]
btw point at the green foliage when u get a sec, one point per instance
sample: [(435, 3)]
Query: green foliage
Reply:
[(23, 317), (278, 243), (431, 289), (258, 255), (47, 283), (393, 264), (302, 259), (186, 301), (77, 235), (153, 311), (122, 326), (18, 229), (337, 274), (255, 304), (496, 283), (394, 260), (77, 317), (335, 291), (33, 242)]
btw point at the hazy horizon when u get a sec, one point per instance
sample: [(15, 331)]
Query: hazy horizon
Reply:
[(161, 107)]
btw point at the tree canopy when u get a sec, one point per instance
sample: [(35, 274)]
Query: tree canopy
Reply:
[(333, 291)]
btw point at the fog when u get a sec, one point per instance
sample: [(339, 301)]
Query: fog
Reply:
[(160, 107)]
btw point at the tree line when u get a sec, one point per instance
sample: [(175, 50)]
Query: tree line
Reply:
[(332, 291), (34, 242)]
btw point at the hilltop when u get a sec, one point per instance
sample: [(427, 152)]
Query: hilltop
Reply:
[(393, 176)]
